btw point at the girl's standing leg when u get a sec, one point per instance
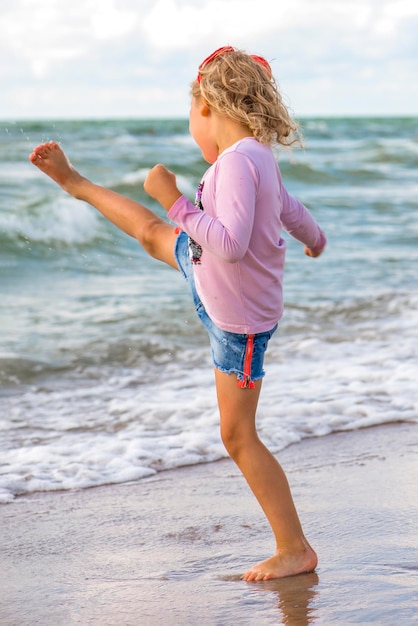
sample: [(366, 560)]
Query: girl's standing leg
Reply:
[(266, 479)]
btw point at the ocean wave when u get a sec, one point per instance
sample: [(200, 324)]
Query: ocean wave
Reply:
[(16, 371), (137, 178), (118, 427), (122, 341), (58, 220), (106, 370)]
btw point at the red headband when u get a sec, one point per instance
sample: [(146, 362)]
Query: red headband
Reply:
[(257, 59)]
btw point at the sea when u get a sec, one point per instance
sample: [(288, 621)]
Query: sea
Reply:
[(105, 371)]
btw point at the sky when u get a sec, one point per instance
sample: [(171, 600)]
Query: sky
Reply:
[(70, 59)]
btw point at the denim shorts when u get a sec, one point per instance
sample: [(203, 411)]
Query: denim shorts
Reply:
[(232, 353)]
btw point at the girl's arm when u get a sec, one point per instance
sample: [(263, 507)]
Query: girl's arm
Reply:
[(299, 223), (225, 230)]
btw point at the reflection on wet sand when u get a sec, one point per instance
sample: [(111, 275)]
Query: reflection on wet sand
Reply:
[(295, 596)]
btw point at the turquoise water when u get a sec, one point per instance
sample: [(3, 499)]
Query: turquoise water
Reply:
[(105, 373)]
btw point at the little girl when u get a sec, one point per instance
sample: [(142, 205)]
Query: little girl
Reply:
[(228, 247)]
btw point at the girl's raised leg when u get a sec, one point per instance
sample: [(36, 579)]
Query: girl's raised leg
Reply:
[(266, 479), (155, 235)]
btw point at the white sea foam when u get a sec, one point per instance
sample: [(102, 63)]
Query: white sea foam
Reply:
[(118, 430)]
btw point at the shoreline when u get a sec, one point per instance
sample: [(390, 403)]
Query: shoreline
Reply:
[(170, 549)]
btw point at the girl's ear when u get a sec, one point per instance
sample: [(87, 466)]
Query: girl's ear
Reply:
[(204, 108)]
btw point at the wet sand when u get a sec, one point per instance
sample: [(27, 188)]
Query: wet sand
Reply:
[(170, 549)]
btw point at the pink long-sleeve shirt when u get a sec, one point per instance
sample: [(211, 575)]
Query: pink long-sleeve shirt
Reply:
[(239, 278)]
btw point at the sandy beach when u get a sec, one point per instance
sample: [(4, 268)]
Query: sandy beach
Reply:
[(170, 549)]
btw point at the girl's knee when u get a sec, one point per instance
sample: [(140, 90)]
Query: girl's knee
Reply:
[(149, 236), (237, 439), (157, 238), (228, 440)]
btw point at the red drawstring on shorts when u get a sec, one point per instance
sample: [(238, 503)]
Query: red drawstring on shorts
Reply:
[(247, 383)]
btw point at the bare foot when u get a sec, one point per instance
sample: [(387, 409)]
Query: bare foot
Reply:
[(281, 565), (51, 160)]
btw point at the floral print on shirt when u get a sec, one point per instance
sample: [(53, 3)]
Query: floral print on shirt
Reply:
[(195, 249)]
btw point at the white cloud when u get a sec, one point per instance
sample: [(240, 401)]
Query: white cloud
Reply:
[(401, 8), (175, 25), (46, 32), (115, 57), (109, 22)]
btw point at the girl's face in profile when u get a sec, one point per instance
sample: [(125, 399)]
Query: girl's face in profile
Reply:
[(200, 126)]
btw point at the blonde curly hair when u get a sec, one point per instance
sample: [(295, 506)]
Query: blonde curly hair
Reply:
[(241, 86)]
